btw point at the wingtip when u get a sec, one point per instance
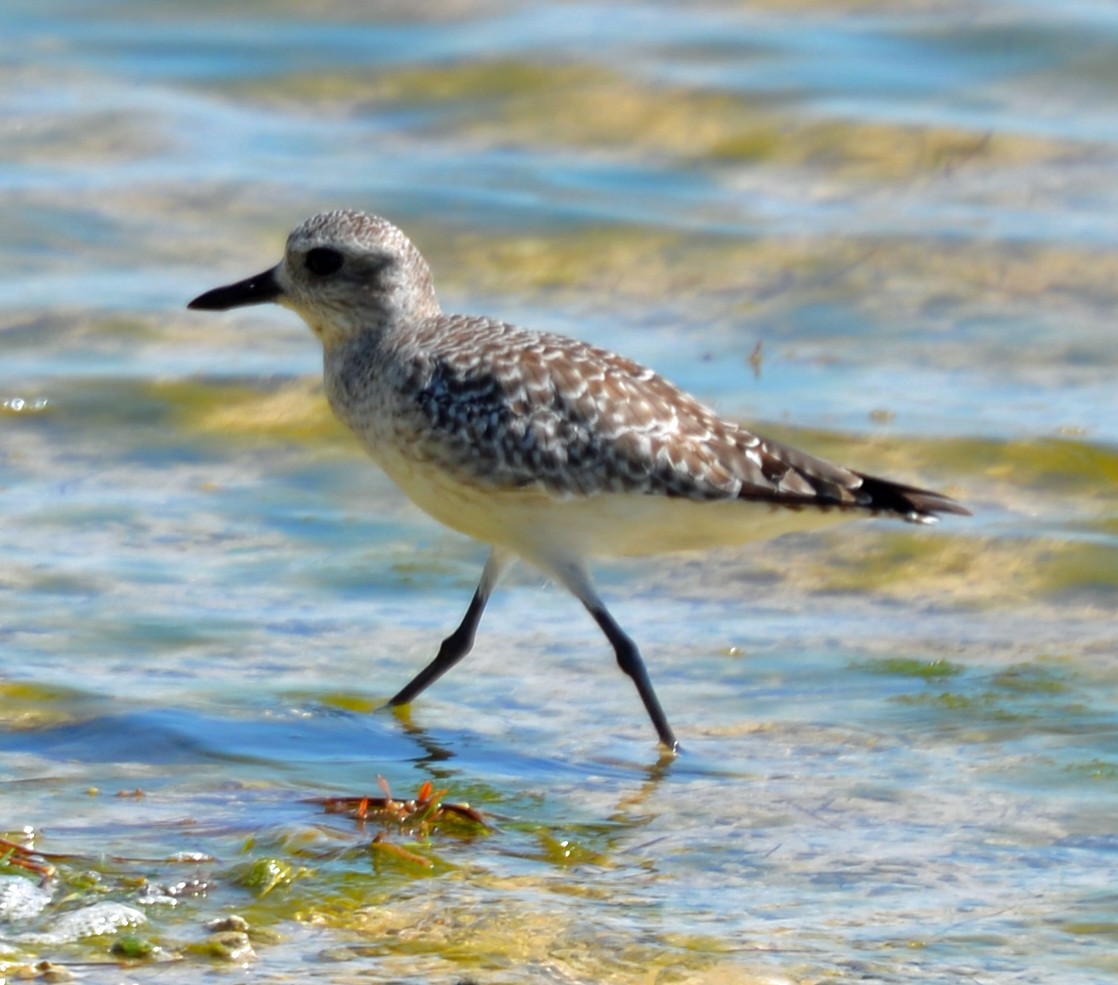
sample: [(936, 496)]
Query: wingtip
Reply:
[(930, 506), (912, 503)]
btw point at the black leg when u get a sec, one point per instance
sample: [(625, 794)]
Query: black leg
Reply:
[(458, 643), (629, 660), (577, 580)]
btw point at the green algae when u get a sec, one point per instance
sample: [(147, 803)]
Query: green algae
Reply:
[(1092, 928), (898, 281), (262, 875), (133, 947), (1093, 769), (1031, 678), (467, 930), (1036, 696), (229, 946), (911, 667), (29, 705), (565, 852), (1077, 569), (581, 105), (898, 563), (1059, 466), (1052, 558), (294, 410)]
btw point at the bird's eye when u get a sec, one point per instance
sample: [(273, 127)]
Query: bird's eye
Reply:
[(322, 261)]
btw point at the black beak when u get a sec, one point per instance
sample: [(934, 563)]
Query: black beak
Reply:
[(255, 290)]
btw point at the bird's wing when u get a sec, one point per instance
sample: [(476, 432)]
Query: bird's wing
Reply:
[(514, 408)]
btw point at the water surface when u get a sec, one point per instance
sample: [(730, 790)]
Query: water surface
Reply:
[(900, 744)]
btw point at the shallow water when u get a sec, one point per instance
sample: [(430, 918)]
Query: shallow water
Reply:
[(900, 745)]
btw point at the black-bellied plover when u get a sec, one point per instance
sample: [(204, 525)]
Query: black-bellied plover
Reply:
[(540, 446)]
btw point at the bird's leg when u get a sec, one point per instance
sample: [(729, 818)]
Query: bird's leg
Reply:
[(629, 658), (458, 643)]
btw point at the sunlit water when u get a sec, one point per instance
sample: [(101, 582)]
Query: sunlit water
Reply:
[(900, 746)]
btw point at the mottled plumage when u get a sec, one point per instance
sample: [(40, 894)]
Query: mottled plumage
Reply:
[(540, 445)]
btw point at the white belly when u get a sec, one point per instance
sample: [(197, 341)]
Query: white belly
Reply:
[(536, 525)]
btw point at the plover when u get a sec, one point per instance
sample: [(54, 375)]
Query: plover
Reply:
[(543, 447)]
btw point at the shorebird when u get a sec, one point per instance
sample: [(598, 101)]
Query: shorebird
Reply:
[(543, 447)]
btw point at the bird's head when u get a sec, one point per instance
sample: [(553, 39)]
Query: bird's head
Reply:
[(343, 273)]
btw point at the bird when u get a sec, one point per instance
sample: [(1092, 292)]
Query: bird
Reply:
[(545, 448)]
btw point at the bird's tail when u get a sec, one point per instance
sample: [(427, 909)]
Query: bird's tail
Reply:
[(913, 504)]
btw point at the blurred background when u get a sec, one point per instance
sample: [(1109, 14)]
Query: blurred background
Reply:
[(883, 230)]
